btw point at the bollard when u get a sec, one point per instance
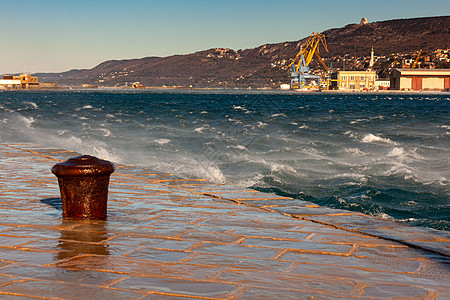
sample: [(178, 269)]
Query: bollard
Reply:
[(83, 184)]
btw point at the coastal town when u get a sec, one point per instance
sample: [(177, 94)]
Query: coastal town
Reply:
[(357, 57), (425, 71)]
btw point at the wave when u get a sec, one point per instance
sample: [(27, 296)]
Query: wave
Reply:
[(27, 120), (370, 138), (32, 104), (162, 141)]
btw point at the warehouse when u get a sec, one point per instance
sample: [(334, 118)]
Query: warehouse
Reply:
[(420, 79)]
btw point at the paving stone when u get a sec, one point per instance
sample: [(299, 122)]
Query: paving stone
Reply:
[(159, 255), (253, 293), (177, 286), (137, 267), (374, 264), (235, 250), (168, 237), (319, 284), (305, 246), (165, 296), (66, 291), (63, 275), (407, 291), (239, 262)]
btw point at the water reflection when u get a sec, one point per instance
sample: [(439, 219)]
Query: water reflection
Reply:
[(82, 238)]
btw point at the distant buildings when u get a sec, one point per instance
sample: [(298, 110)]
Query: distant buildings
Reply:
[(353, 80), (24, 81), (420, 79)]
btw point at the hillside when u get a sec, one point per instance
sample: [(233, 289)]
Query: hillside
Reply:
[(265, 65)]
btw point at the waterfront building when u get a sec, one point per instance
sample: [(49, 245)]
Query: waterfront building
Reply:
[(23, 81), (420, 79), (353, 80), (382, 84)]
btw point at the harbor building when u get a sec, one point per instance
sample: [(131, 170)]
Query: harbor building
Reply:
[(420, 79), (353, 80), (23, 81)]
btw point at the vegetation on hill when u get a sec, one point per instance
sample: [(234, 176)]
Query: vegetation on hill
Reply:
[(267, 66)]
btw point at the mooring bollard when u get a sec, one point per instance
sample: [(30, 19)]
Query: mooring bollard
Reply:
[(83, 183)]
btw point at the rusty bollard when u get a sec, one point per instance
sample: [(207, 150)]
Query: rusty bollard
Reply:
[(83, 183)]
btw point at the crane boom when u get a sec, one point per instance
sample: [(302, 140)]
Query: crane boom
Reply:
[(417, 59), (299, 66)]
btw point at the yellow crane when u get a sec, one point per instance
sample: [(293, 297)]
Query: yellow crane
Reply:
[(417, 59), (300, 65)]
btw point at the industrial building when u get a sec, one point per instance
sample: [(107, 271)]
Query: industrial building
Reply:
[(420, 79), (23, 81), (353, 80)]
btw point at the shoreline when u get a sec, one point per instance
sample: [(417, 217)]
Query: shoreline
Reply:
[(240, 90)]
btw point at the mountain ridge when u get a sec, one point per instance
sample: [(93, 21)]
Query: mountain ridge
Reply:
[(265, 65)]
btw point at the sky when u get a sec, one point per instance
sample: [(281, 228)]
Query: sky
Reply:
[(60, 35)]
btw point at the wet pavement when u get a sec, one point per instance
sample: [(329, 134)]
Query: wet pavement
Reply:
[(172, 238)]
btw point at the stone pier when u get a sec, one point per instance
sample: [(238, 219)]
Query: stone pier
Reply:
[(167, 237)]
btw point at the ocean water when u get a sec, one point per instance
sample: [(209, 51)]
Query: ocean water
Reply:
[(383, 154)]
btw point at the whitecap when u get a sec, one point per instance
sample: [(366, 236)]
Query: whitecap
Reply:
[(213, 173), (278, 115), (87, 107), (106, 132), (63, 132), (203, 112), (239, 147), (354, 151), (199, 129), (261, 124), (397, 151), (304, 126), (370, 138), (34, 105), (358, 120), (162, 141), (28, 121)]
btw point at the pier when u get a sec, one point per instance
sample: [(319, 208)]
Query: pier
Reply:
[(167, 237)]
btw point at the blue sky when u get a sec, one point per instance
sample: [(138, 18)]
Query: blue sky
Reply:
[(59, 35)]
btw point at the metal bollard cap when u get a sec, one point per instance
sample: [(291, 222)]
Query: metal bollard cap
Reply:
[(85, 165)]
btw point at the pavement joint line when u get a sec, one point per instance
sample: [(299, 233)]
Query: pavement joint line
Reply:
[(346, 229)]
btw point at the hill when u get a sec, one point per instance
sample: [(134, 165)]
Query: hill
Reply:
[(265, 65)]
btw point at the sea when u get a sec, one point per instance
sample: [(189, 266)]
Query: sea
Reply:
[(383, 154)]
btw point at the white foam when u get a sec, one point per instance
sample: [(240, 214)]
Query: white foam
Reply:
[(397, 151), (354, 151), (162, 141), (239, 147), (278, 115), (370, 138), (34, 105), (200, 129), (106, 132), (261, 124), (358, 121), (28, 121)]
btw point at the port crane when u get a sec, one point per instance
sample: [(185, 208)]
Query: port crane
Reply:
[(300, 66), (417, 59)]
